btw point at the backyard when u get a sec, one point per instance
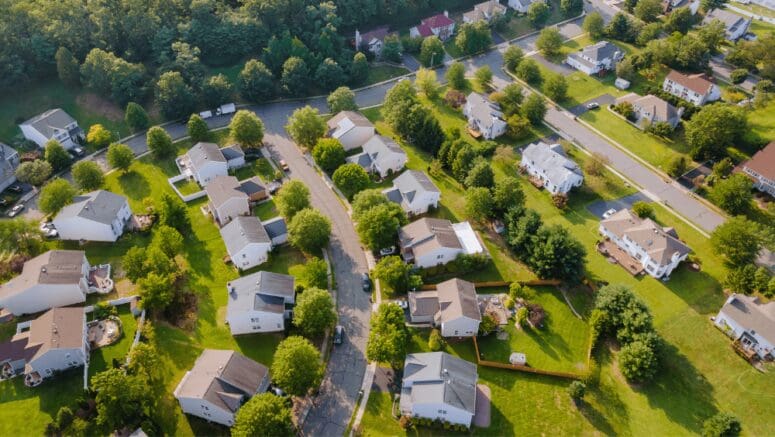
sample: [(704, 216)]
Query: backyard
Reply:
[(520, 25)]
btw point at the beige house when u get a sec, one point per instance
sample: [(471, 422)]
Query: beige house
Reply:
[(693, 88), (227, 200), (429, 242), (651, 109), (486, 11), (761, 169), (351, 129), (452, 307)]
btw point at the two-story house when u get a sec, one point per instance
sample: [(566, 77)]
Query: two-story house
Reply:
[(9, 160), (452, 307), (371, 41), (761, 169), (439, 25), (694, 88), (414, 191), (247, 242), (596, 58), (96, 216), (651, 109), (227, 200), (735, 26), (260, 302), (549, 165), (380, 155), (750, 323), (351, 129), (485, 11), (54, 124), (205, 161), (429, 242), (484, 117)]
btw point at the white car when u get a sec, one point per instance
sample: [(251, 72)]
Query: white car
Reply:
[(15, 210), (385, 251), (609, 213), (403, 304)]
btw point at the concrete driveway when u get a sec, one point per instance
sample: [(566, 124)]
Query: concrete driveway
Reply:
[(557, 68), (602, 101), (410, 62), (598, 208)]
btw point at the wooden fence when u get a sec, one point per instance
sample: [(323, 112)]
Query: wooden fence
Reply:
[(519, 368), (488, 284)]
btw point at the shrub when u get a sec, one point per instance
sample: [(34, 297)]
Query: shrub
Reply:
[(536, 315), (488, 325), (435, 341), (643, 209), (560, 200), (405, 422), (738, 75), (455, 98), (521, 316), (721, 425), (638, 362), (577, 390)]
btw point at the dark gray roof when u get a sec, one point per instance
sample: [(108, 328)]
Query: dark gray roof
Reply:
[(601, 50), (423, 303), (752, 315), (412, 181), (242, 291), (393, 195), (50, 121), (232, 151), (252, 186), (438, 377), (363, 159), (243, 231), (7, 165), (730, 20), (275, 227), (270, 304), (99, 206)]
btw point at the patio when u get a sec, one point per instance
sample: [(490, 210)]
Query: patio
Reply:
[(616, 255), (140, 222), (104, 332), (493, 305), (99, 279)]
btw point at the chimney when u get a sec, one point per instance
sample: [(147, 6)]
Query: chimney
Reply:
[(446, 13)]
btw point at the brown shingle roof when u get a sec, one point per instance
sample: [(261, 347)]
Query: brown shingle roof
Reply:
[(660, 243), (428, 234), (763, 162), (53, 267), (58, 328), (695, 82), (458, 298), (224, 188)]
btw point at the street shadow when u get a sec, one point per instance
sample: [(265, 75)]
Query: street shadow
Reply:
[(134, 185)]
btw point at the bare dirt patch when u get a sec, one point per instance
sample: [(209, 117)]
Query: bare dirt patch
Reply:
[(100, 105)]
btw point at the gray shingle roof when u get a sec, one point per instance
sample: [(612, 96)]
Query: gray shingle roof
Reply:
[(438, 377), (52, 267), (243, 231), (99, 206), (457, 298), (552, 160), (275, 227), (202, 153), (660, 243), (600, 51), (232, 151), (252, 186), (752, 315), (224, 188), (243, 291), (7, 165), (412, 181), (730, 20), (483, 111), (50, 121)]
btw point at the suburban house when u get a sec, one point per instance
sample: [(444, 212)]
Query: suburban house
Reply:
[(484, 117), (440, 25), (657, 250), (371, 41), (694, 88), (351, 129), (254, 189), (651, 109), (437, 385), (761, 169), (56, 278), (9, 160), (246, 241), (277, 230), (595, 58), (380, 155), (521, 6), (235, 156), (227, 200), (55, 341), (414, 191), (486, 11), (96, 216), (735, 26), (260, 302), (750, 323), (220, 382), (452, 307), (549, 166), (429, 242), (204, 161), (54, 124)]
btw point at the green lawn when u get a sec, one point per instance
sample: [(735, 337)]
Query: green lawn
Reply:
[(260, 167), (760, 28), (188, 186), (381, 73), (762, 123), (519, 24), (265, 210), (102, 358), (452, 49)]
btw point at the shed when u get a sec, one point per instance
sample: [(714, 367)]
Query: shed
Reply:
[(518, 358), (622, 84)]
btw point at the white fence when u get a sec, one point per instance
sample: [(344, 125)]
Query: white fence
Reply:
[(185, 198)]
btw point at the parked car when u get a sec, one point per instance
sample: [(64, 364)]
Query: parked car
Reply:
[(3, 202), (365, 282), (45, 226), (51, 233), (275, 390), (16, 188), (15, 210), (385, 251), (284, 165), (339, 334), (403, 304), (77, 151), (592, 105), (272, 187), (609, 213), (253, 153)]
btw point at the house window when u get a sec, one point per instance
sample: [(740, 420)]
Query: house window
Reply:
[(440, 256)]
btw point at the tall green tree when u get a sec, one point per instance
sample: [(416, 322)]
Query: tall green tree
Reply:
[(648, 10), (306, 126), (33, 172), (388, 336), (351, 178), (197, 128), (528, 71), (733, 194), (329, 154), (98, 136), (594, 25), (174, 96), (483, 76), (394, 273), (292, 198), (135, 117), (456, 76), (556, 87), (341, 99), (359, 70), (309, 230), (296, 366), (315, 312), (56, 195), (534, 109), (557, 254), (479, 204), (538, 13), (473, 37), (329, 74), (216, 90), (378, 227), (512, 57), (67, 67), (426, 82), (56, 155), (256, 82), (173, 213), (156, 292), (549, 41), (88, 175), (264, 415), (122, 400), (295, 76), (246, 128), (431, 51), (159, 142), (738, 240)]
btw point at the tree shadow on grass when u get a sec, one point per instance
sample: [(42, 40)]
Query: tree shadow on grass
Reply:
[(596, 418), (134, 185)]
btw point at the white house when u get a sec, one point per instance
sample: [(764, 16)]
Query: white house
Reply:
[(56, 278), (234, 155), (735, 26), (485, 11), (440, 25), (657, 249), (259, 302), (277, 230), (96, 216), (651, 109), (437, 385), (203, 162), (380, 155), (484, 116), (694, 88), (521, 6), (452, 307), (429, 242), (414, 191), (54, 124), (220, 382), (351, 129), (9, 160), (548, 163), (596, 58), (227, 200), (371, 41), (749, 322), (761, 169), (55, 341), (246, 241)]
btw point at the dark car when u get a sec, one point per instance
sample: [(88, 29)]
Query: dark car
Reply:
[(16, 188), (339, 334), (253, 153), (77, 151), (366, 282)]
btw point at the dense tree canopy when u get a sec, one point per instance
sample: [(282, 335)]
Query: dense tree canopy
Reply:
[(309, 230), (55, 196), (341, 99), (264, 415), (388, 336), (88, 175), (292, 198), (296, 366), (738, 240), (314, 312), (246, 128), (306, 126), (329, 154), (56, 155)]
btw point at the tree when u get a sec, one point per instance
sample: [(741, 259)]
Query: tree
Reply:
[(388, 337), (365, 200), (534, 109), (295, 77), (507, 194), (309, 230), (136, 117), (197, 128), (512, 57), (649, 32), (480, 175), (761, 280), (246, 128), (733, 194), (431, 51), (168, 239), (174, 96), (305, 126), (557, 254), (256, 83), (483, 76), (738, 240), (571, 7), (88, 175), (479, 203), (314, 274), (172, 212), (56, 155), (709, 5), (329, 154), (159, 142), (122, 400), (435, 340), (721, 425), (296, 366), (378, 227), (426, 82), (549, 41), (314, 312), (510, 98), (679, 20), (741, 279), (677, 166), (738, 75), (643, 209), (56, 195), (98, 136), (350, 178), (715, 127), (487, 326), (596, 164), (156, 291), (292, 198), (217, 90), (473, 37), (329, 74), (20, 236), (185, 60), (648, 10), (341, 99), (133, 263), (638, 362), (538, 13), (120, 156), (456, 76), (576, 391), (264, 415), (67, 67), (621, 27), (393, 272), (528, 71), (359, 70), (556, 87), (33, 172), (391, 49)]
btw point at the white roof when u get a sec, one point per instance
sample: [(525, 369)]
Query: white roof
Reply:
[(465, 233)]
